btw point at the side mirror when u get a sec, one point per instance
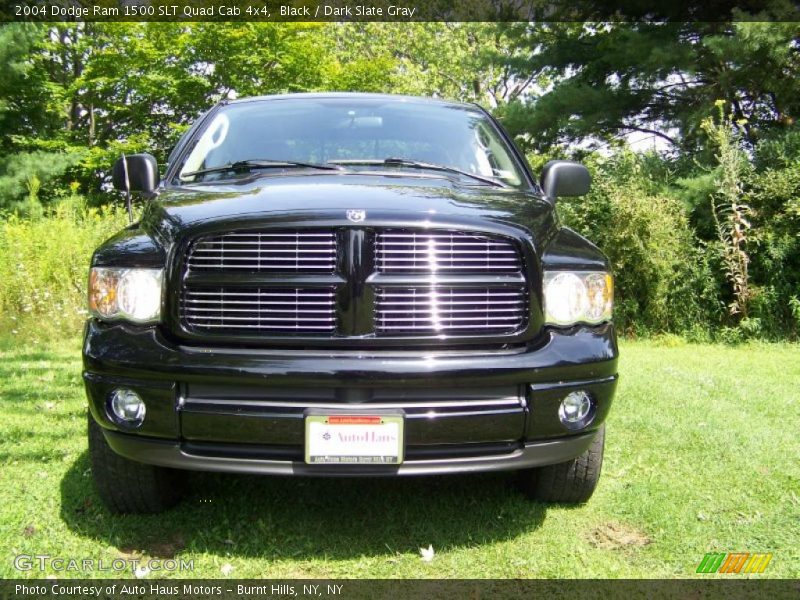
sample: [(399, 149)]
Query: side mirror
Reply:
[(136, 173), (565, 178)]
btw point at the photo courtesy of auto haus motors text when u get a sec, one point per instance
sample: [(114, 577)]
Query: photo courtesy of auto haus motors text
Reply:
[(133, 589)]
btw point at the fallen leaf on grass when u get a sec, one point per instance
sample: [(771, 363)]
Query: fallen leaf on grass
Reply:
[(141, 572), (29, 531), (427, 553)]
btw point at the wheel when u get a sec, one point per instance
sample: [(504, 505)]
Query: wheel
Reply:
[(126, 486), (571, 482)]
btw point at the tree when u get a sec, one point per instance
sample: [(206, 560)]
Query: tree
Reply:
[(612, 79), (467, 62), (86, 92), (30, 119), (24, 109)]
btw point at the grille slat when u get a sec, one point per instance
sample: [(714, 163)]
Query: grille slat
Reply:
[(433, 252), (250, 301), (215, 311), (226, 318), (456, 311), (405, 303), (252, 266), (454, 320)]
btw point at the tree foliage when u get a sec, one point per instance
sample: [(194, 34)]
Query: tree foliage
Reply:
[(662, 79)]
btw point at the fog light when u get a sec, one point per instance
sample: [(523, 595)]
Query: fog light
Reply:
[(128, 407), (575, 410)]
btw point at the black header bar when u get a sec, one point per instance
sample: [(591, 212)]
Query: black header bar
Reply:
[(347, 589), (399, 10)]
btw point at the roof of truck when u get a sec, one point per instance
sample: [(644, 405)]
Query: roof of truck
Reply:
[(352, 95)]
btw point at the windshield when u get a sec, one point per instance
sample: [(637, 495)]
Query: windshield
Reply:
[(354, 134)]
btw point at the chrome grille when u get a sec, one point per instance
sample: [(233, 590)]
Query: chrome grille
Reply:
[(444, 251), (291, 251), (456, 310), (336, 285), (268, 309)]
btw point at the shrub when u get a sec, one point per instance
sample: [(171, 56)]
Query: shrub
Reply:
[(44, 264), (662, 275), (46, 169), (775, 267)]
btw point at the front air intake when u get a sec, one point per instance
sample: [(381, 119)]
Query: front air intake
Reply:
[(253, 310), (437, 310), (434, 252), (278, 252), (351, 284)]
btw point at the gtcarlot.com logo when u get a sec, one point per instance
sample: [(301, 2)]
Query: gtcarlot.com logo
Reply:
[(44, 562)]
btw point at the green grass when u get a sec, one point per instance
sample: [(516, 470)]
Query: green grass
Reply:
[(701, 455)]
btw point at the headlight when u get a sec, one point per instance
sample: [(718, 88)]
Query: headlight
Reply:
[(577, 297), (127, 294)]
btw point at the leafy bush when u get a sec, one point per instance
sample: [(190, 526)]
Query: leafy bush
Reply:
[(44, 264), (18, 170), (774, 196), (663, 278)]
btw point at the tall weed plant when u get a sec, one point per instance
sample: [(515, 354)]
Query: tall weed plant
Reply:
[(44, 263), (730, 213)]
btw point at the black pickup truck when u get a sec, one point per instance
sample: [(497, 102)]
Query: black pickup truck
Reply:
[(347, 285)]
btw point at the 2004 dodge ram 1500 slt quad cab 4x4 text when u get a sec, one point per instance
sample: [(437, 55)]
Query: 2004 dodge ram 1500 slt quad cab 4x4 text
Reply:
[(347, 285)]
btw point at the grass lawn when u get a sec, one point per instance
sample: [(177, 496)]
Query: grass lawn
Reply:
[(702, 454)]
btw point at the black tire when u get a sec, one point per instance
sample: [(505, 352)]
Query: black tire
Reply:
[(571, 482), (126, 486)]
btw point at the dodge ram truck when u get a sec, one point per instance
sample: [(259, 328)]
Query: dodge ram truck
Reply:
[(347, 285)]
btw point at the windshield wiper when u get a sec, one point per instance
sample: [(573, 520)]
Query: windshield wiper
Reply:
[(249, 165), (415, 164)]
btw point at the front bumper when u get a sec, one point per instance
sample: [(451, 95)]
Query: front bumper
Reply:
[(242, 410), (180, 456)]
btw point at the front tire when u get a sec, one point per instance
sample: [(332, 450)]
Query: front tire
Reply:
[(571, 482), (126, 486)]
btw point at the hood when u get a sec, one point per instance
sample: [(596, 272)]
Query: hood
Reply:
[(326, 198)]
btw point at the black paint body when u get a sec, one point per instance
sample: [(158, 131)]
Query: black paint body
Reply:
[(237, 403)]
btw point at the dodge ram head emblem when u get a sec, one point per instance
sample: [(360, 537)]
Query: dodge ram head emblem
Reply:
[(356, 216)]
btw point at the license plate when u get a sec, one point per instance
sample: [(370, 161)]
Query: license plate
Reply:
[(354, 439)]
